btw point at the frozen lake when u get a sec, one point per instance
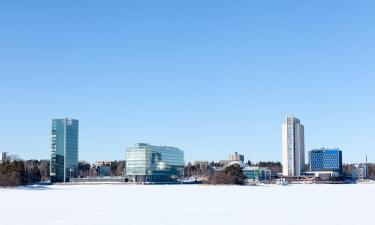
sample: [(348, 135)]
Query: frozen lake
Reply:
[(188, 204)]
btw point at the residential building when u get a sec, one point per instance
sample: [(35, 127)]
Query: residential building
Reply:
[(293, 141), (236, 157), (360, 172), (149, 163), (325, 160), (64, 150)]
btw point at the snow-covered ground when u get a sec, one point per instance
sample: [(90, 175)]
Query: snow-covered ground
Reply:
[(188, 204)]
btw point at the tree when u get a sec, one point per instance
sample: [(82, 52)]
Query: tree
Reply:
[(232, 174), (275, 167), (347, 170), (120, 168), (83, 169), (371, 170), (12, 173)]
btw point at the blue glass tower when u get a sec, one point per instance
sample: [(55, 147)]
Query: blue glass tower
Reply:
[(64, 150), (325, 160)]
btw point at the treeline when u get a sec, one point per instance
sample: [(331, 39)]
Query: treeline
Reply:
[(191, 170), (114, 168), (23, 172), (275, 167)]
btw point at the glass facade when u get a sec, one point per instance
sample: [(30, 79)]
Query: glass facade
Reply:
[(325, 160), (148, 163), (64, 149), (257, 173)]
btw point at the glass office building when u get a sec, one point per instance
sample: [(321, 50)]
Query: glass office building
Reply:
[(148, 163), (325, 160), (64, 150)]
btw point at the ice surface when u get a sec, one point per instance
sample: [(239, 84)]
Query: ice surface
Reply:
[(188, 204)]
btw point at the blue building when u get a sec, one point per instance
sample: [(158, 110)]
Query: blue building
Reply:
[(148, 163), (325, 160), (256, 173), (64, 150)]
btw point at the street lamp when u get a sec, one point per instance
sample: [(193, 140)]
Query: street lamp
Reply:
[(70, 170)]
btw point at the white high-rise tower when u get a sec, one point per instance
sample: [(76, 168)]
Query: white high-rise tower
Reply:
[(293, 147)]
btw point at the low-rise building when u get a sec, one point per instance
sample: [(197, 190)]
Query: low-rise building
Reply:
[(149, 163), (323, 175), (256, 173), (103, 171), (360, 172)]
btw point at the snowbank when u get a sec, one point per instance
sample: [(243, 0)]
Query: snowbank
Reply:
[(187, 204)]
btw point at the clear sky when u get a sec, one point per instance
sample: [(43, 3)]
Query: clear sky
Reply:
[(209, 77)]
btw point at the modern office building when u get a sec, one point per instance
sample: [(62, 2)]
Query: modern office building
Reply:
[(293, 141), (325, 160), (64, 150), (148, 163)]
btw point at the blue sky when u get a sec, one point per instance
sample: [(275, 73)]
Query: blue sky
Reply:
[(209, 77)]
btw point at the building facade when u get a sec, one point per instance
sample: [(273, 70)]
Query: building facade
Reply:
[(148, 163), (323, 175), (64, 150), (236, 157), (293, 141), (325, 160), (4, 157), (102, 167), (360, 172), (256, 173)]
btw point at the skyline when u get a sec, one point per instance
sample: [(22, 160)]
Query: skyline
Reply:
[(164, 145), (210, 78)]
